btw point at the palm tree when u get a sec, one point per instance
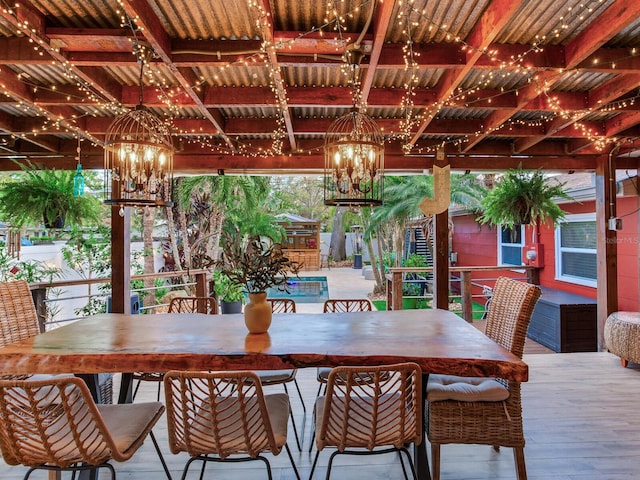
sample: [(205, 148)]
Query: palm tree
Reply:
[(205, 204), (401, 204)]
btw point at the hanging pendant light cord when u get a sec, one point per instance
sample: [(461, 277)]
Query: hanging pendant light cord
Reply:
[(140, 58)]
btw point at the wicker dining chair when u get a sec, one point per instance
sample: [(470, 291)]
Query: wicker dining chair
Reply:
[(337, 305), (370, 410), (19, 321), (213, 415), (208, 305), (283, 377), (177, 305), (340, 306), (54, 424), (282, 305), (18, 318), (485, 411)]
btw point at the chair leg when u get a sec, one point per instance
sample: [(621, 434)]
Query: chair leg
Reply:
[(188, 464), (331, 464), (295, 382), (521, 468), (293, 422), (157, 447), (411, 465), (135, 390), (313, 467), (295, 429), (93, 469), (293, 464), (266, 462), (435, 460)]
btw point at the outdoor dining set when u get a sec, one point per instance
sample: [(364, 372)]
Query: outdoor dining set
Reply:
[(387, 381)]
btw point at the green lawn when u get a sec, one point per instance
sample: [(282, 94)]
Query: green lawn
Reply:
[(478, 308)]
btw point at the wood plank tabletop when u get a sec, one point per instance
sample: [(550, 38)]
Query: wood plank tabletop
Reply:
[(438, 340)]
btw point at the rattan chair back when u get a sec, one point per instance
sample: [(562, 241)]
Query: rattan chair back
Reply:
[(18, 318), (220, 413), (496, 423), (510, 312), (207, 305), (282, 305), (55, 422), (347, 305), (370, 407)]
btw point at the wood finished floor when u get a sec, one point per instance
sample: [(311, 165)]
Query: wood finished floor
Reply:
[(581, 423)]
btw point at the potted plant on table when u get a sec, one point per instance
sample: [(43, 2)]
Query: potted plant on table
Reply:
[(256, 265)]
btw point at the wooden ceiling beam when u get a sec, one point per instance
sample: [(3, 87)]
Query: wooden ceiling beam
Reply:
[(615, 18), (489, 25), (209, 163), (243, 127), (154, 33), (618, 16), (597, 99), (527, 94), (381, 21), (98, 82), (45, 142), (329, 97), (100, 46), (622, 123), (56, 117), (279, 85)]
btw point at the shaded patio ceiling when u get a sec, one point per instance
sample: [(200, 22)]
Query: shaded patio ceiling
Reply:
[(251, 86)]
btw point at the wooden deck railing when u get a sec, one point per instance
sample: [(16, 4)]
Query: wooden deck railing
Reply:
[(467, 277), (197, 280)]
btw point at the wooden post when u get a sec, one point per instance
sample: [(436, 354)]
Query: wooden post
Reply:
[(120, 260), (39, 295), (394, 291), (441, 247), (607, 248), (467, 308), (201, 285), (533, 276)]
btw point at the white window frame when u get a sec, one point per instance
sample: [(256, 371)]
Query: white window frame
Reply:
[(579, 217), (500, 245)]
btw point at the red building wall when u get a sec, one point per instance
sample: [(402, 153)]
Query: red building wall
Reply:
[(478, 245)]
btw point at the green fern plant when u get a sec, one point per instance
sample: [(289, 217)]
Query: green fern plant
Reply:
[(40, 195), (523, 197)]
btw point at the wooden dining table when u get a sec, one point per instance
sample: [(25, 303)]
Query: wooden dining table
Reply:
[(437, 340)]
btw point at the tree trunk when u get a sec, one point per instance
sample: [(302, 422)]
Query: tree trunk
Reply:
[(148, 220), (338, 241), (379, 285), (380, 266)]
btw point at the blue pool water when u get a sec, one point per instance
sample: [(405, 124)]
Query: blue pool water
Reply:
[(303, 290)]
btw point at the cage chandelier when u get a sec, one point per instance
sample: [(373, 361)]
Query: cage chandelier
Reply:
[(138, 154), (354, 153)]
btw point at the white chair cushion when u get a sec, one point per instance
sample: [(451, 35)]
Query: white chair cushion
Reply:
[(465, 389)]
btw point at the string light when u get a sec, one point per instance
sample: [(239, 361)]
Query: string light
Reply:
[(336, 23)]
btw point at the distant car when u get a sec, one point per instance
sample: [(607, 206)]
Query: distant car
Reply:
[(25, 242)]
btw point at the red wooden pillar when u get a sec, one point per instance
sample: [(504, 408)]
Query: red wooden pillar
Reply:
[(120, 260), (607, 248), (441, 250)]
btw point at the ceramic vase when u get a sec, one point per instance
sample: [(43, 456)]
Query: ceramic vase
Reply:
[(257, 313)]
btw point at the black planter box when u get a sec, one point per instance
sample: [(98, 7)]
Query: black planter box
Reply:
[(564, 322)]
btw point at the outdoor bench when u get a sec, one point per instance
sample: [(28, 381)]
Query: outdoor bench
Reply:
[(564, 322)]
